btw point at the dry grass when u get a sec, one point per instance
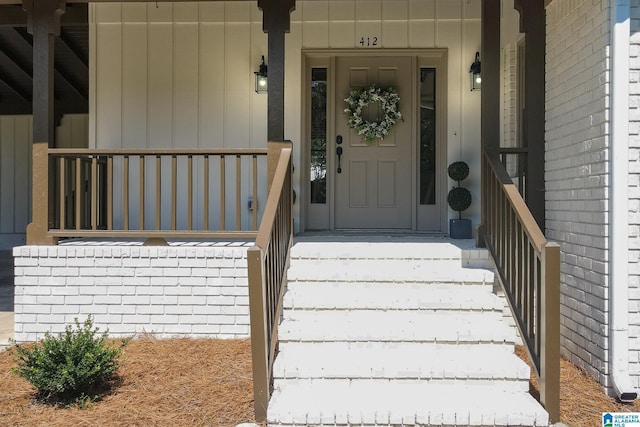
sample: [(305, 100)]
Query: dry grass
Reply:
[(582, 400), (178, 382), (185, 382)]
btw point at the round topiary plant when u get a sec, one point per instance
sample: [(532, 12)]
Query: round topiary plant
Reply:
[(458, 171), (459, 198)]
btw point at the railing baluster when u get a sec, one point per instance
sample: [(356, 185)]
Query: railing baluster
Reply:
[(238, 193), (94, 193), (78, 198), (110, 193), (63, 197), (190, 192), (174, 192), (223, 188), (125, 179), (254, 206), (158, 192), (142, 201), (206, 192)]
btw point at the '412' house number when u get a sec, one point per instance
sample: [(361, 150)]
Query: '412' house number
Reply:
[(369, 41)]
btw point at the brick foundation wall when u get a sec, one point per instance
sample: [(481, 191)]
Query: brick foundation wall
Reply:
[(576, 173), (195, 291)]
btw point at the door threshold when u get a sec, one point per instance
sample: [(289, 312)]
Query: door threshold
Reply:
[(369, 234)]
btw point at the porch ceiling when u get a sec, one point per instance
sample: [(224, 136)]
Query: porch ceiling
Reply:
[(71, 75)]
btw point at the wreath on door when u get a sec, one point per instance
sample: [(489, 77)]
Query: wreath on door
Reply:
[(360, 98)]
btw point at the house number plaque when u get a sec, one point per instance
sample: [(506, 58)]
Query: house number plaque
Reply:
[(369, 41)]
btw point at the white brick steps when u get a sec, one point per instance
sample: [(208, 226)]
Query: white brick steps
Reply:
[(394, 326), (395, 271), (387, 404), (390, 296), (365, 362), (396, 334), (435, 249)]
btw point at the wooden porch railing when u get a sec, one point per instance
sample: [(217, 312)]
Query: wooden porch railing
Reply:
[(528, 267), (156, 193), (514, 160), (268, 262)]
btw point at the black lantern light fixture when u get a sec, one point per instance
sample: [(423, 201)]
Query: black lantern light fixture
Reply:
[(475, 75), (261, 78)]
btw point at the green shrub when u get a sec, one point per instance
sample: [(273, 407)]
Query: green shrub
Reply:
[(69, 367)]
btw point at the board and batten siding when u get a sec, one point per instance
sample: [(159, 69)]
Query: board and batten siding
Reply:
[(16, 139), (15, 179), (180, 75)]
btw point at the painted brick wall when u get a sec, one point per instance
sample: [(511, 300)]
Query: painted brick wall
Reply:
[(576, 167), (509, 106), (168, 291), (634, 193)]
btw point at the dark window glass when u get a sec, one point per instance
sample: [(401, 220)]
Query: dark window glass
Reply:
[(318, 172), (427, 136)]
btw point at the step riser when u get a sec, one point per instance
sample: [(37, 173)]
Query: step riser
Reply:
[(447, 363), (308, 315), (434, 250), (420, 406), (372, 276), (511, 386), (337, 347)]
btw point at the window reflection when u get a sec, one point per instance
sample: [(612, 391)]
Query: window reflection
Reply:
[(427, 136), (318, 172)]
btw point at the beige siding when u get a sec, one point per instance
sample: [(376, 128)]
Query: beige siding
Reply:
[(181, 75), (15, 179), (15, 169), (176, 76), (73, 131)]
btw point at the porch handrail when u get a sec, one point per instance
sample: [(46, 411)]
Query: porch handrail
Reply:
[(268, 261), (528, 268), (83, 183)]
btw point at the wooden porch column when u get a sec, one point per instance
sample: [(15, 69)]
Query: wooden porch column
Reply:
[(276, 21), (43, 23), (533, 25), (490, 102)]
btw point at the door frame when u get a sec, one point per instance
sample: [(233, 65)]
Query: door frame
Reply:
[(326, 58)]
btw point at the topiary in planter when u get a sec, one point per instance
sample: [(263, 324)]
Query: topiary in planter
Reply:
[(459, 199)]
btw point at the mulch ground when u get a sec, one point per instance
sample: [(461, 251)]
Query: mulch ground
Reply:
[(185, 382), (178, 382), (582, 400)]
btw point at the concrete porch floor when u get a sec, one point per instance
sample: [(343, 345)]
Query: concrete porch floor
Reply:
[(6, 297)]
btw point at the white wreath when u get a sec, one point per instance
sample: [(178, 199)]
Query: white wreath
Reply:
[(360, 98)]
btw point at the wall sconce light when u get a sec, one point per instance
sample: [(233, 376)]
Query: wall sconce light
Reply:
[(475, 75), (261, 78)]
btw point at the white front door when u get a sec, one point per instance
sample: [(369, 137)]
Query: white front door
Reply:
[(373, 182)]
